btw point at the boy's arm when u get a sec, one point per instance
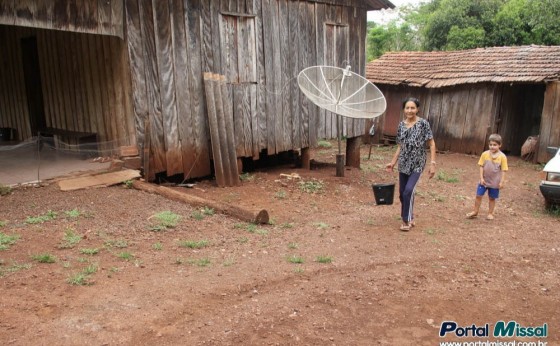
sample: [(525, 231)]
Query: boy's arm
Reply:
[(482, 182)]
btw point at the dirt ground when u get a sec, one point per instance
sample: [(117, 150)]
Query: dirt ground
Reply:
[(331, 268)]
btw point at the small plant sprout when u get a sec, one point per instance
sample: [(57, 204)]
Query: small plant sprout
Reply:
[(157, 246), (207, 211), (49, 215), (261, 231), (243, 240), (324, 144), (280, 194), (7, 240), (127, 256), (74, 213), (120, 243), (295, 259), (128, 184), (94, 251), (197, 215), (321, 225), (44, 258), (5, 190), (246, 177), (292, 246), (81, 278), (287, 225), (14, 267), (194, 244), (323, 259), (298, 270), (166, 219), (311, 186), (70, 239)]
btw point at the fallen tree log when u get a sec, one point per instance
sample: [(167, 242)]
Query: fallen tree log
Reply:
[(258, 217)]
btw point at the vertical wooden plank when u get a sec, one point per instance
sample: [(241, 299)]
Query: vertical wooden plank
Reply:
[(78, 90), (117, 18), (250, 74), (194, 14), (549, 119), (104, 92), (181, 78), (206, 35), (269, 62), (164, 57), (137, 68), (321, 56), (44, 70), (104, 16), (209, 84), (216, 38), (259, 134), (247, 118), (312, 17), (97, 89), (112, 118), (237, 99), (293, 69), (303, 62), (228, 47), (53, 83), (222, 139), (7, 12), (227, 119), (89, 99), (65, 78), (157, 150), (284, 123), (119, 75)]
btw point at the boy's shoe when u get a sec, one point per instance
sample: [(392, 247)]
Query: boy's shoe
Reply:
[(472, 215), (490, 217)]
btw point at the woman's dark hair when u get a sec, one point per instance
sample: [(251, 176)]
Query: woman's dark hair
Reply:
[(413, 99)]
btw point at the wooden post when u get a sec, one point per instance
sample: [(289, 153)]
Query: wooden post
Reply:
[(230, 134), (213, 125), (306, 158), (353, 151), (339, 165), (222, 133)]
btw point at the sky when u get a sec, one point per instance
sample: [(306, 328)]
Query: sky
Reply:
[(385, 16)]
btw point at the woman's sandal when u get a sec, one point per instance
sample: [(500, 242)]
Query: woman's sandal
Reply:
[(472, 215), (405, 227)]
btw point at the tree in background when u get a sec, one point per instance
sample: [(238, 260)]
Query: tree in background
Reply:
[(466, 24)]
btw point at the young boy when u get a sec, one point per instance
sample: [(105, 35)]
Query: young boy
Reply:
[(493, 167)]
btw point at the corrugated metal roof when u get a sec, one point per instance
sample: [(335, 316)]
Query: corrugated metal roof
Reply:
[(529, 64)]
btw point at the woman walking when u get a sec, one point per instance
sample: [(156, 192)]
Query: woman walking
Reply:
[(412, 135)]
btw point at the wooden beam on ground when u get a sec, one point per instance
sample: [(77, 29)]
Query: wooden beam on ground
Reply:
[(258, 217), (103, 179)]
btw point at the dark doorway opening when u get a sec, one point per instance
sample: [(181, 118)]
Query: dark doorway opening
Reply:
[(33, 90)]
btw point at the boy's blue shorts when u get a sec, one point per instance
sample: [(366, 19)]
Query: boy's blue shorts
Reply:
[(492, 192)]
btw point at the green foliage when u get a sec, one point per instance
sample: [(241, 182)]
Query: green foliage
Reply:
[(5, 190), (324, 144), (157, 246), (295, 259), (70, 239), (323, 259), (246, 177), (14, 267), (93, 251), (311, 186), (166, 219), (7, 240), (44, 258), (191, 244), (49, 215), (74, 213)]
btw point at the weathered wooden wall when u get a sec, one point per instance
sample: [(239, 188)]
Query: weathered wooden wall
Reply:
[(463, 117), (550, 122), (85, 84), (260, 46), (88, 16)]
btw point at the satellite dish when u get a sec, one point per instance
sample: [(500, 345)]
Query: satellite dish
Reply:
[(343, 92)]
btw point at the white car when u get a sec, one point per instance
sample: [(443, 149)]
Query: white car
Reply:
[(550, 186)]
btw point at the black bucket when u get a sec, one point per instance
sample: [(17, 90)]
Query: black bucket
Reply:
[(5, 134), (383, 193)]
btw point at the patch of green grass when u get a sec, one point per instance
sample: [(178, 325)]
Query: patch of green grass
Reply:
[(165, 219), (191, 244), (287, 225), (128, 184), (323, 259), (201, 262), (281, 194), (78, 279), (127, 256), (93, 251), (7, 240), (552, 211), (14, 267), (3, 223), (5, 190), (197, 215), (157, 246), (74, 213), (228, 262), (243, 240), (261, 231), (119, 243), (90, 269), (295, 259), (292, 246), (207, 211), (446, 177), (44, 258), (48, 216), (311, 186), (249, 227), (246, 176), (70, 239), (324, 144), (321, 225)]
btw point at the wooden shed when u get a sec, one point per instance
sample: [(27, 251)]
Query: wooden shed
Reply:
[(131, 72), (467, 95)]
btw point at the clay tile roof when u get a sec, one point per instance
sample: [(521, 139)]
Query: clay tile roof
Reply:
[(529, 64)]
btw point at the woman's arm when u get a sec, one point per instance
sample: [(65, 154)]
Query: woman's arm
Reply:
[(389, 167), (432, 170)]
